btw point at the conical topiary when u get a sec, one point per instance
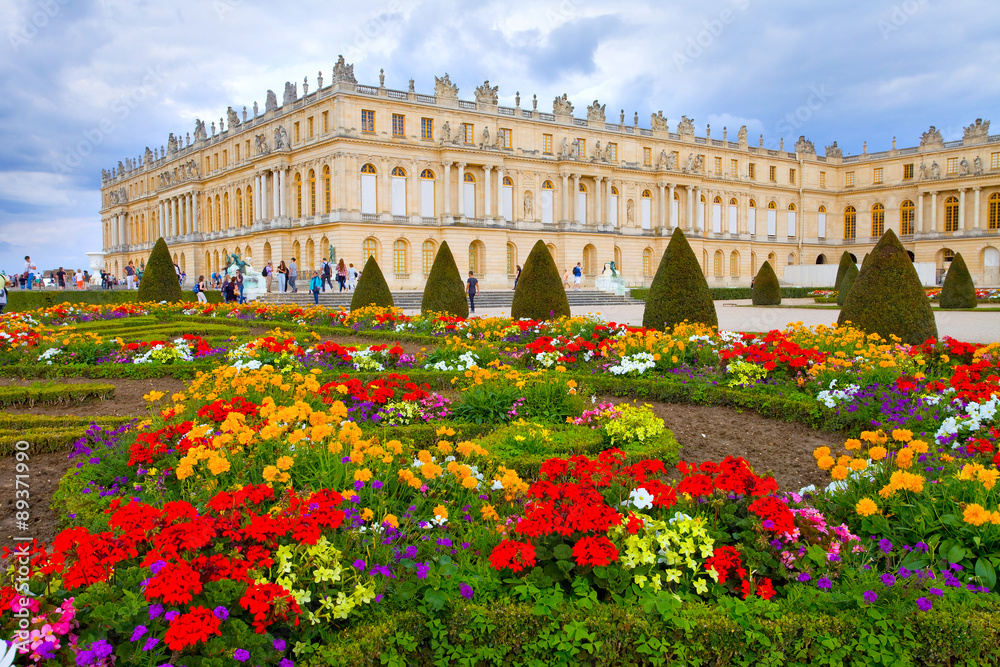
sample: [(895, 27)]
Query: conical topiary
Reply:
[(540, 294), (766, 290), (679, 291), (864, 259), (958, 290), (444, 291), (159, 281), (845, 263), (847, 283), (887, 298), (372, 289)]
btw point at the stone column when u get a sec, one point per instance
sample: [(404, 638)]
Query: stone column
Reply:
[(699, 210), (195, 210), (920, 214), (163, 218), (447, 188), (461, 189), (576, 189), (282, 196), (190, 210), (934, 226), (274, 194), (670, 206), (487, 192), (383, 193), (689, 218), (564, 209), (975, 212), (961, 209), (598, 213), (662, 222), (500, 194)]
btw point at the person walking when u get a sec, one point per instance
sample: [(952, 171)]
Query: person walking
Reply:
[(86, 279), (229, 290), (314, 286), (78, 279), (29, 272), (61, 278), (293, 274), (3, 292), (471, 288), (199, 289), (269, 274), (352, 277), (341, 275), (517, 276), (239, 286), (282, 276), (577, 276), (566, 279), (327, 275), (130, 275)]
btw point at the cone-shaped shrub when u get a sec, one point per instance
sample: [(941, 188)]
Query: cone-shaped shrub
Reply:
[(847, 283), (864, 260), (958, 290), (887, 297), (444, 291), (766, 290), (679, 291), (845, 263), (159, 282), (540, 294), (372, 288)]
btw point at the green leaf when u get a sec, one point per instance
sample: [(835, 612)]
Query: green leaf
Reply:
[(956, 554), (985, 571), (562, 552)]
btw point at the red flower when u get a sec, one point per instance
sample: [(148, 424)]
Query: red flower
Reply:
[(634, 524), (595, 551), (765, 589), (513, 555), (726, 561), (696, 485), (776, 511), (175, 583), (269, 603), (188, 629)]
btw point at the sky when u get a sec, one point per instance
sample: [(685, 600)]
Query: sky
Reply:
[(86, 83)]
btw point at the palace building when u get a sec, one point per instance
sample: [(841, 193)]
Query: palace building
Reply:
[(357, 170)]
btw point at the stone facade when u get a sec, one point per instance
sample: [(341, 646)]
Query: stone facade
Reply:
[(364, 169)]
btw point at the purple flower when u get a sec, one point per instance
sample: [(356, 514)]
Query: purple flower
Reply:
[(923, 604), (768, 524), (466, 590), (885, 545), (422, 570), (151, 642), (358, 564), (888, 580), (170, 616), (935, 591), (358, 485), (155, 610), (804, 577), (102, 649), (904, 572), (279, 644), (920, 546), (157, 566), (137, 634), (870, 597), (377, 484), (241, 655), (410, 551), (220, 613), (285, 662), (824, 583), (444, 542)]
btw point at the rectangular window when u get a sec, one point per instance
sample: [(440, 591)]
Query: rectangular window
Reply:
[(225, 159), (647, 157), (237, 152), (398, 125), (791, 176), (367, 120), (326, 122), (734, 168), (297, 133), (849, 179), (309, 127), (952, 165), (995, 161), (208, 164), (822, 179), (718, 166), (507, 137), (581, 148), (752, 171), (468, 133), (547, 144), (247, 151), (773, 174), (216, 160), (426, 128), (877, 176), (908, 171)]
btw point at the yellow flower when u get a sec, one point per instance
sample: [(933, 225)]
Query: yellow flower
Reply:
[(218, 465), (866, 507), (489, 513), (820, 452), (367, 514), (441, 512), (391, 520), (284, 462), (877, 453), (362, 475), (902, 435), (852, 444), (976, 514), (825, 462), (839, 472), (153, 396)]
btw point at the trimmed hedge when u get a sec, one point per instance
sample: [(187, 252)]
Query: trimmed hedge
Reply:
[(444, 291), (766, 290), (372, 290), (21, 300), (48, 434), (958, 290), (540, 294), (679, 291), (842, 267), (734, 293), (160, 282), (56, 393), (846, 283)]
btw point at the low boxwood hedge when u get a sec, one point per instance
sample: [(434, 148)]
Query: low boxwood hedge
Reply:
[(54, 393), (734, 293), (22, 300)]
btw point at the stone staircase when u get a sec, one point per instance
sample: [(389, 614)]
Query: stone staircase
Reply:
[(410, 300)]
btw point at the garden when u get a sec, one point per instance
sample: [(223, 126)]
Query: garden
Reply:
[(278, 485)]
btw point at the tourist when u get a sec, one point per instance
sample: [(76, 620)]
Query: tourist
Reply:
[(577, 276), (130, 275), (78, 279), (199, 289), (229, 290), (269, 274), (341, 275), (324, 272), (239, 286), (471, 287), (566, 279), (3, 292), (352, 277), (315, 285), (86, 279), (29, 272), (293, 274), (282, 276), (184, 277), (517, 276), (61, 278)]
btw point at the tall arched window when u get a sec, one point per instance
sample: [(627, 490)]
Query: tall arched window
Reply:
[(734, 264), (208, 214), (475, 257), (368, 189), (547, 205), (733, 208), (850, 222), (951, 214), (791, 219), (647, 262), (250, 218), (646, 209), (312, 192), (398, 186), (507, 198), (511, 259), (772, 218), (369, 248), (469, 195), (907, 214), (427, 251), (717, 215), (613, 207), (718, 263), (752, 218), (821, 222), (994, 214), (298, 195), (239, 208), (225, 210), (427, 193), (581, 204), (327, 189), (399, 257), (878, 220)]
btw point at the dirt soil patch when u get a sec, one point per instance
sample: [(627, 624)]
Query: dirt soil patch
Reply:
[(45, 472), (128, 399)]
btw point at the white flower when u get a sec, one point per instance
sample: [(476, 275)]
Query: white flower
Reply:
[(640, 498)]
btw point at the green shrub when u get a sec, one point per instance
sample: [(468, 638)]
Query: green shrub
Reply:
[(540, 294), (486, 404), (732, 293), (159, 282), (845, 263), (766, 290), (372, 290), (847, 283), (54, 393), (444, 291), (958, 290), (887, 298), (679, 290)]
